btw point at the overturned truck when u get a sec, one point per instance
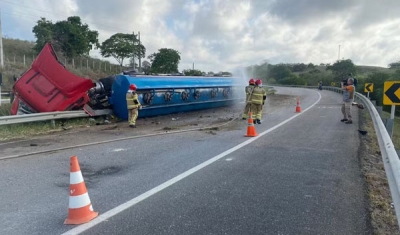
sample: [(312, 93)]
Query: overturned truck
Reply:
[(48, 86)]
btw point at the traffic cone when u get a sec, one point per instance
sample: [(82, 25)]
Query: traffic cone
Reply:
[(251, 130), (80, 208), (298, 108)]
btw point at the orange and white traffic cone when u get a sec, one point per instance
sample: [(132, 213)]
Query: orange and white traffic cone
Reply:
[(251, 130), (298, 108), (80, 208)]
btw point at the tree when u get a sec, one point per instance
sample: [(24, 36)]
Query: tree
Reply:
[(228, 74), (43, 32), (394, 65), (342, 68), (70, 36), (121, 46), (279, 71), (314, 76), (259, 71), (292, 79), (166, 60), (299, 67), (146, 67), (192, 72)]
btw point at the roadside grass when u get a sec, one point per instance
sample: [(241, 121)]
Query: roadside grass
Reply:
[(396, 130), (382, 214), (5, 109), (26, 130)]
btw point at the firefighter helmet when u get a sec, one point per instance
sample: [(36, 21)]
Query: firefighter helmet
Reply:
[(132, 87), (258, 82), (251, 81)]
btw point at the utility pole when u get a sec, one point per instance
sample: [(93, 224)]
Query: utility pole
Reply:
[(339, 54), (140, 55), (1, 45), (193, 66), (133, 57)]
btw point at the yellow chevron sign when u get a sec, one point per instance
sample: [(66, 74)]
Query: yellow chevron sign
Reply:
[(368, 87)]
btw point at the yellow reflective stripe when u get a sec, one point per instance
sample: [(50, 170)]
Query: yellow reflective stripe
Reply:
[(257, 96)]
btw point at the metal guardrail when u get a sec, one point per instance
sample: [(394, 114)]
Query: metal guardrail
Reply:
[(5, 94), (36, 117), (389, 155)]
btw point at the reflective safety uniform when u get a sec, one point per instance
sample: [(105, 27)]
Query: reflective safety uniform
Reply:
[(248, 89), (257, 100), (133, 105)]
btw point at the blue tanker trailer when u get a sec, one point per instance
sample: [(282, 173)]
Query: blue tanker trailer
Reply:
[(162, 95), (48, 86)]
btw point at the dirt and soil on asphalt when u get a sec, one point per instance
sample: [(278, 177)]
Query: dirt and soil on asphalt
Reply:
[(65, 135)]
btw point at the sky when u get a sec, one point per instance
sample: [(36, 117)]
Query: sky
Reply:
[(224, 35)]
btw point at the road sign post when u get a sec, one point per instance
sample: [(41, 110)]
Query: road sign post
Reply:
[(368, 87), (391, 96), (392, 111), (1, 82)]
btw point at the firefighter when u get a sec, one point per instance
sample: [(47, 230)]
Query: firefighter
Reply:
[(133, 105), (248, 89), (264, 97), (257, 100)]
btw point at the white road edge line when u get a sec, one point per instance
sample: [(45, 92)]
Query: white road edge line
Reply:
[(103, 217)]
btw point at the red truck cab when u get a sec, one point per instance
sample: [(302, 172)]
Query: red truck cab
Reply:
[(48, 86)]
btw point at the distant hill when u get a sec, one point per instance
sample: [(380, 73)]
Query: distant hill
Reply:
[(363, 69)]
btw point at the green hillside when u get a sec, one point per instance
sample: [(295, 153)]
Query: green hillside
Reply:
[(330, 75), (362, 69)]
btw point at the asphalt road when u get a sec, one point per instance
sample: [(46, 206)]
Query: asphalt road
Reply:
[(299, 176)]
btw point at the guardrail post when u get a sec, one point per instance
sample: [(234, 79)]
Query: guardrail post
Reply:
[(53, 123), (379, 109), (389, 123), (11, 97)]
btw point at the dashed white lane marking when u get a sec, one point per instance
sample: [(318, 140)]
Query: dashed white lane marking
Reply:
[(104, 217)]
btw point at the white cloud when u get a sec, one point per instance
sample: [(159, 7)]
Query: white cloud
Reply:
[(220, 35)]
